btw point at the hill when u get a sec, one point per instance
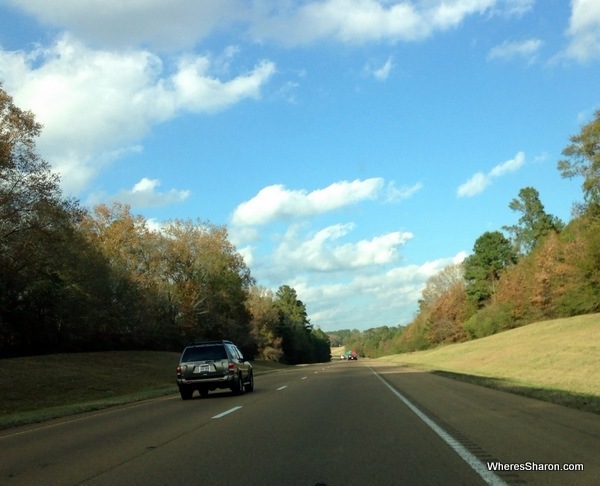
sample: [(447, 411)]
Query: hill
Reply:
[(557, 360)]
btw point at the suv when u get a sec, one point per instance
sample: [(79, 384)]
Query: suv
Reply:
[(209, 365)]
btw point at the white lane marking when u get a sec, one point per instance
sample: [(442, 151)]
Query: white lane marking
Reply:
[(479, 467), (304, 378), (281, 387), (227, 412)]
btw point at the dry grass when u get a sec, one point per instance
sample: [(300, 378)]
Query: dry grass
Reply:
[(560, 356)]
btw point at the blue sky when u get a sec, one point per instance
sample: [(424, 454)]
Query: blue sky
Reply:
[(353, 148)]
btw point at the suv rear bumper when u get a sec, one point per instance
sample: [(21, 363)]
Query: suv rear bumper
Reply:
[(226, 381)]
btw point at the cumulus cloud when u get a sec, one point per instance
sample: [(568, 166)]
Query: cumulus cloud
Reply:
[(388, 298), (320, 253), (276, 202), (160, 24), (526, 49), (144, 194), (478, 182), (96, 103), (584, 30), (360, 21)]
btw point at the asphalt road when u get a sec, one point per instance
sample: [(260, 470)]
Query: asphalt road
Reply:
[(341, 423)]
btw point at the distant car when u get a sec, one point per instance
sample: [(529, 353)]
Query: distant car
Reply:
[(342, 356), (212, 365), (353, 356)]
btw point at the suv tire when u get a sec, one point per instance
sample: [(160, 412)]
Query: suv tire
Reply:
[(186, 392), (248, 387), (238, 388)]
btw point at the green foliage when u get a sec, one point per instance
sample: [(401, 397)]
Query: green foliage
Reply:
[(492, 253), (534, 222), (372, 343), (489, 320), (582, 158), (300, 342)]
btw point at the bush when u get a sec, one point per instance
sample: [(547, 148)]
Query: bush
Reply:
[(488, 321)]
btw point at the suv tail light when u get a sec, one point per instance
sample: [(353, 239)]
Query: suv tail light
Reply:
[(231, 367), (179, 371)]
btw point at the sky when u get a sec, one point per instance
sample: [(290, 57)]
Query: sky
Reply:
[(353, 148)]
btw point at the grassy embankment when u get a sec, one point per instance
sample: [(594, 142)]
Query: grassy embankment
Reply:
[(557, 361), (38, 388)]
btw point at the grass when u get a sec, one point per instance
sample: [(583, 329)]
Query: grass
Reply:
[(557, 361), (39, 388)]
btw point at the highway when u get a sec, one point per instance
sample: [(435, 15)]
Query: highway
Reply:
[(339, 423)]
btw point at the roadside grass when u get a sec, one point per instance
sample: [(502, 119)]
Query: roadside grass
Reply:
[(39, 388), (557, 361)]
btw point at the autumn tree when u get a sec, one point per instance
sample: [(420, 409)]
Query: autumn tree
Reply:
[(141, 313), (210, 281), (582, 158), (534, 222), (264, 323)]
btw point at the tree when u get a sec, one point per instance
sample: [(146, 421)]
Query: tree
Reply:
[(534, 222), (301, 343), (583, 159), (141, 313), (48, 274), (492, 253), (294, 326), (210, 281), (264, 323), (437, 285)]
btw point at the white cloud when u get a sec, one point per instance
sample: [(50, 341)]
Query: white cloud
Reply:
[(397, 194), (160, 24), (527, 49), (361, 21), (515, 8), (95, 103), (380, 73), (144, 194), (510, 165), (584, 30), (364, 301), (277, 202), (319, 253), (478, 182)]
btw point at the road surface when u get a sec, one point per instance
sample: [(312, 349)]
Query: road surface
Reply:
[(339, 423)]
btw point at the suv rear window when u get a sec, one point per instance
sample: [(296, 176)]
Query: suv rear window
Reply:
[(214, 352)]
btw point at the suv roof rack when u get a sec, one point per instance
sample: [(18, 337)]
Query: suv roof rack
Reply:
[(213, 341)]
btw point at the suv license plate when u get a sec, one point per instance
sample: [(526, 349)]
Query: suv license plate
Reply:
[(202, 369)]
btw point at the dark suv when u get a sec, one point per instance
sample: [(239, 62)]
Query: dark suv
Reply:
[(209, 365)]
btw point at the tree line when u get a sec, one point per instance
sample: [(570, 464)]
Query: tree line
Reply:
[(539, 268), (73, 279)]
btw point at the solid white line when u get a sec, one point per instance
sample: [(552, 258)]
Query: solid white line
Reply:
[(227, 412), (479, 467), (281, 387)]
